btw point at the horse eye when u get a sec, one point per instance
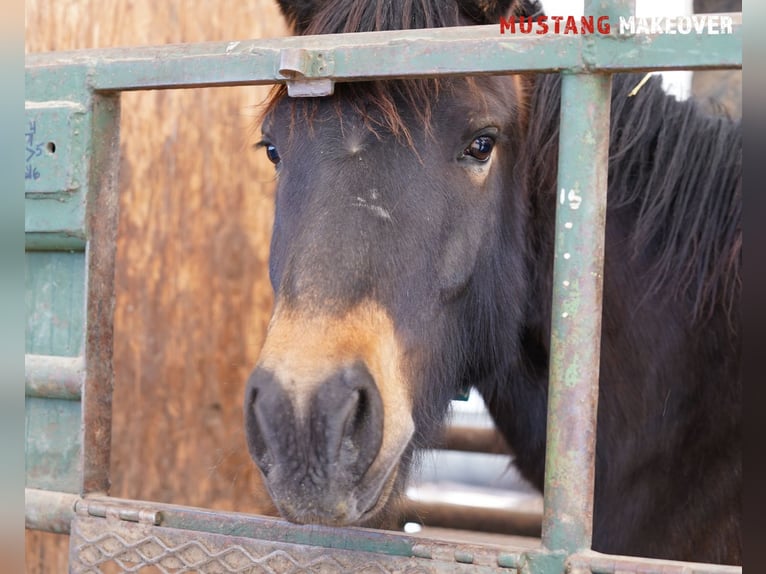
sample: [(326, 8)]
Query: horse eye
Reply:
[(480, 148), (272, 153)]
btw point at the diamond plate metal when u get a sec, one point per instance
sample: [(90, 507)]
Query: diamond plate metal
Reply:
[(104, 546)]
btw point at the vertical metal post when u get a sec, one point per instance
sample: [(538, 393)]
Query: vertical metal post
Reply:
[(101, 222), (576, 310)]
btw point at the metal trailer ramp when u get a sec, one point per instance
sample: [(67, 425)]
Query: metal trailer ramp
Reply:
[(71, 172), (110, 535)]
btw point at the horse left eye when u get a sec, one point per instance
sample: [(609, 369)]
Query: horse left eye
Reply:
[(272, 153), (480, 148)]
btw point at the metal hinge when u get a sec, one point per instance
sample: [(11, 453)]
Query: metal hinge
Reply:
[(120, 512)]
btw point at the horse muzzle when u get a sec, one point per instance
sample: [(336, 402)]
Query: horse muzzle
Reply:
[(319, 446)]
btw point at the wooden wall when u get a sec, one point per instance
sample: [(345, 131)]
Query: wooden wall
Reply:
[(193, 297)]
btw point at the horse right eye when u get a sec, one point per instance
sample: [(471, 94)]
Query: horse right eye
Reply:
[(480, 148)]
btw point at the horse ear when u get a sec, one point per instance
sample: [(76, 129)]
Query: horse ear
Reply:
[(298, 13), (490, 11)]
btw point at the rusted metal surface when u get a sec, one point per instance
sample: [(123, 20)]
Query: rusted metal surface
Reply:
[(53, 447), (55, 140), (130, 534), (131, 524), (57, 144), (576, 312), (308, 71), (102, 238), (129, 547), (54, 377), (54, 299), (469, 50), (49, 511)]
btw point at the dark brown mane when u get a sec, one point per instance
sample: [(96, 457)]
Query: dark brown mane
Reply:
[(346, 16)]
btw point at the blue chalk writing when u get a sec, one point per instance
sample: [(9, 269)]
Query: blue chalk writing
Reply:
[(33, 149)]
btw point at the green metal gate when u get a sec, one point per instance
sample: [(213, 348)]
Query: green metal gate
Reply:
[(72, 145)]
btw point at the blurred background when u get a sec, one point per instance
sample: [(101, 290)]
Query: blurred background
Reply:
[(193, 297)]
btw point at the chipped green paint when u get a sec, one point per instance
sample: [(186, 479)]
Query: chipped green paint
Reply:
[(576, 312), (410, 53)]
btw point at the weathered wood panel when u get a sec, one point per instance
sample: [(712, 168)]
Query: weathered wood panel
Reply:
[(193, 297)]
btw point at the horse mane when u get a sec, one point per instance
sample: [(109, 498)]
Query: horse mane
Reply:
[(347, 16), (676, 170)]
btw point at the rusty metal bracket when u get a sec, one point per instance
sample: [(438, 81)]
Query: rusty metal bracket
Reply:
[(306, 72)]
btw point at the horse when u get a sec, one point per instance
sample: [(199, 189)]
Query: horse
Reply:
[(412, 254)]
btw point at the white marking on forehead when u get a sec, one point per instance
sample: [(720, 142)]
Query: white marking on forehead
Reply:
[(354, 143), (377, 210)]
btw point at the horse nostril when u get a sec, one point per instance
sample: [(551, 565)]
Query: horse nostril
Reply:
[(266, 406), (355, 424), (348, 411)]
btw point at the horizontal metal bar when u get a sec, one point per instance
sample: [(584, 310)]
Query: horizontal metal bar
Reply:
[(472, 518), (598, 563), (49, 511), (54, 377), (54, 511), (467, 50), (474, 439), (56, 218), (277, 530), (56, 241)]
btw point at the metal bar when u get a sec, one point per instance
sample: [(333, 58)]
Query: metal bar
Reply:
[(577, 302), (469, 50), (102, 211), (474, 439), (277, 530), (53, 377), (473, 518), (576, 312), (98, 545), (48, 510), (54, 512), (53, 241), (598, 563)]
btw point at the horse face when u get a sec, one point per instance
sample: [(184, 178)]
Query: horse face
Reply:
[(383, 216)]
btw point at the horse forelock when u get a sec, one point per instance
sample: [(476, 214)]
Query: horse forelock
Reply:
[(380, 102)]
